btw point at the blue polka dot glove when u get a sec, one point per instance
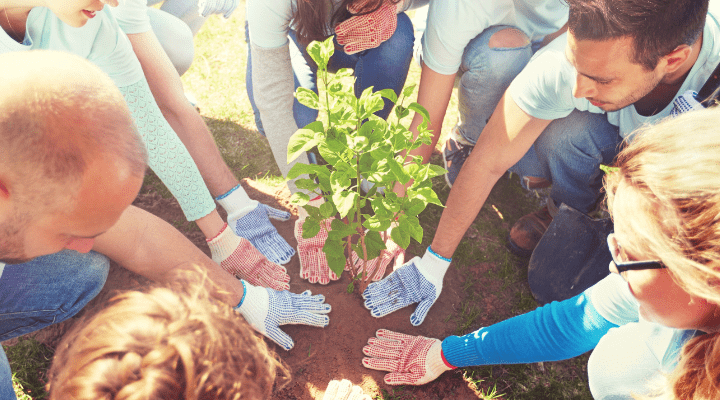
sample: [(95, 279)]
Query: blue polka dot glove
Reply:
[(417, 281), (266, 309), (256, 227)]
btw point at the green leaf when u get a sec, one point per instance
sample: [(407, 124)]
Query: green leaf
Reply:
[(411, 224), (389, 94), (307, 98), (344, 202), (401, 236), (327, 209), (304, 139), (425, 194), (373, 244), (370, 105), (378, 206), (398, 171), (408, 90), (335, 255), (299, 169), (341, 228), (307, 184), (608, 169), (401, 112), (415, 206), (377, 223), (299, 198), (343, 73), (311, 228), (339, 181), (420, 110)]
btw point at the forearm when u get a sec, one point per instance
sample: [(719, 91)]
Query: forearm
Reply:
[(187, 123), (149, 246), (556, 331), (434, 94), (273, 86)]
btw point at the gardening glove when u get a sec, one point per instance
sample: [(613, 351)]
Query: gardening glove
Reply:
[(411, 360), (344, 390), (368, 31), (253, 223), (376, 267), (313, 263), (418, 281), (237, 256), (266, 309), (224, 7)]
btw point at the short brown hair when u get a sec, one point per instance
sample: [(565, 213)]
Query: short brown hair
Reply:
[(657, 27), (164, 344)]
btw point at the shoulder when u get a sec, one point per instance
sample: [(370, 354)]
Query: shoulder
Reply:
[(132, 16)]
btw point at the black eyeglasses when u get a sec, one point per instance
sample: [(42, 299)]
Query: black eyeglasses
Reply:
[(622, 265)]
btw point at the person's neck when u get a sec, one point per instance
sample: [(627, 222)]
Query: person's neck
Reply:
[(666, 91)]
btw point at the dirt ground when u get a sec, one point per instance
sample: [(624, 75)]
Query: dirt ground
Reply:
[(334, 352)]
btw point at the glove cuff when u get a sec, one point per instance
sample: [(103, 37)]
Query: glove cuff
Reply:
[(236, 202), (433, 267), (255, 306), (435, 362), (223, 245)]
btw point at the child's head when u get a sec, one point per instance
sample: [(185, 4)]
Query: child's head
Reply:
[(163, 344)]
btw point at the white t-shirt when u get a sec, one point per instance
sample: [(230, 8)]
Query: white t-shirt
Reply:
[(100, 41), (132, 16), (451, 24), (544, 88)]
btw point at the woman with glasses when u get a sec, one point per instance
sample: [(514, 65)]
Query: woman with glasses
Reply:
[(664, 289)]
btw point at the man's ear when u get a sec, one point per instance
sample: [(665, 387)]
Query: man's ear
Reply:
[(677, 58)]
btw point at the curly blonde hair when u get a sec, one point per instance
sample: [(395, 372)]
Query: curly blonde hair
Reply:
[(674, 169), (164, 344)]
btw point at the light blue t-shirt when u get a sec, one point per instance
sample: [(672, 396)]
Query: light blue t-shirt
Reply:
[(99, 41), (451, 24), (544, 89)]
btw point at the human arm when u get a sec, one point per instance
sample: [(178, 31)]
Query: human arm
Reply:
[(508, 135), (556, 331)]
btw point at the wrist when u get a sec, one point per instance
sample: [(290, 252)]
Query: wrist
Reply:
[(436, 363), (433, 266)]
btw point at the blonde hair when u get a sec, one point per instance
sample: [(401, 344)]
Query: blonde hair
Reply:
[(674, 169), (164, 344)]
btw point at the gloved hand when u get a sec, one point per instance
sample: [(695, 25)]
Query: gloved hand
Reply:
[(224, 7), (411, 360), (376, 267), (255, 226), (313, 263), (237, 256), (344, 390), (368, 31), (418, 281), (266, 309)]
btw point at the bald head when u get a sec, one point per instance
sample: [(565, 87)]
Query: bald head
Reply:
[(58, 114)]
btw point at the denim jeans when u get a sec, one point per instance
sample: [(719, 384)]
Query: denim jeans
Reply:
[(383, 67), (568, 153), (42, 292)]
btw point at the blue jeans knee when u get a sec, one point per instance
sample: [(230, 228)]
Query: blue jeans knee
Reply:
[(568, 153), (48, 290), (485, 74)]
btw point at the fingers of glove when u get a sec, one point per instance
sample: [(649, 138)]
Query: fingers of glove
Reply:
[(407, 378), (421, 311), (300, 317), (274, 213), (275, 247), (389, 307), (389, 336), (379, 350), (274, 276), (282, 339), (307, 302), (337, 390), (356, 393), (380, 364)]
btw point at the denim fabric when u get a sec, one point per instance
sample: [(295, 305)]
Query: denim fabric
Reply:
[(568, 153), (383, 67), (45, 291)]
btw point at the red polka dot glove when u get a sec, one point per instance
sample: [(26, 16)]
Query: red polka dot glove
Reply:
[(376, 267), (239, 257), (411, 360), (367, 31), (313, 263)]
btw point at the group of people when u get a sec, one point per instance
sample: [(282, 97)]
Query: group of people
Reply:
[(548, 89)]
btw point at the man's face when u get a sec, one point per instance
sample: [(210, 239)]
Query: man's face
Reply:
[(107, 189), (606, 74)]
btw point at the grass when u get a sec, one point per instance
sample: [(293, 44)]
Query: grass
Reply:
[(217, 80)]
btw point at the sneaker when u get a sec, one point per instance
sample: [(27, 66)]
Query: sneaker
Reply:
[(527, 232), (454, 155)]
